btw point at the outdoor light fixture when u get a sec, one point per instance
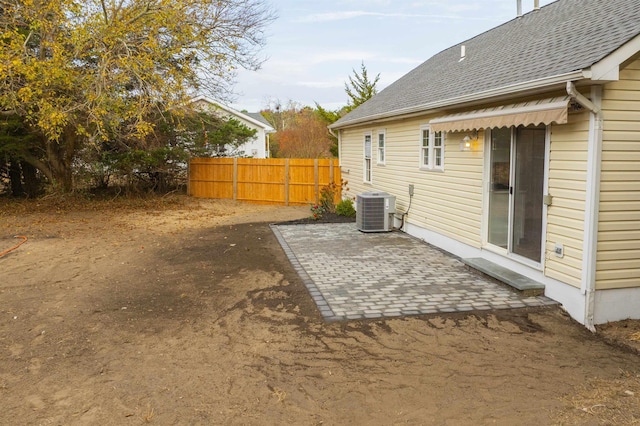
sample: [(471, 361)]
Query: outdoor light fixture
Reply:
[(468, 142), (465, 144)]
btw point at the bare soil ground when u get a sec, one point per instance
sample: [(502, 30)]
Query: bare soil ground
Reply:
[(182, 311)]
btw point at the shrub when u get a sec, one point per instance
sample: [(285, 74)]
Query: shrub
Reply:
[(345, 208), (328, 195), (317, 211)]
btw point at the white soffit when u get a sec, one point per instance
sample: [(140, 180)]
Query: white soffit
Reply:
[(541, 111)]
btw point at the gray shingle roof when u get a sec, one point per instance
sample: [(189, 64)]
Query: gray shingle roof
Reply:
[(562, 37), (257, 116)]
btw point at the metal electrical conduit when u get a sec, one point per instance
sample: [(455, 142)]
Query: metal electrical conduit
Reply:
[(411, 190)]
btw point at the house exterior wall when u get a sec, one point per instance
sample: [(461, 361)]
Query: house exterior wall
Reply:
[(448, 202), (256, 147), (567, 185), (618, 264)]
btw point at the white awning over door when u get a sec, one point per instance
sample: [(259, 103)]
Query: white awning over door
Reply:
[(541, 111)]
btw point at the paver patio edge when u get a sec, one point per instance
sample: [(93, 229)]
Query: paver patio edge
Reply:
[(315, 293)]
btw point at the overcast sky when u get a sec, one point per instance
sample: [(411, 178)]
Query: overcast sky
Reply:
[(313, 45)]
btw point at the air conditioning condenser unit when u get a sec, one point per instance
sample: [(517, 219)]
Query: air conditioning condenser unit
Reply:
[(374, 211)]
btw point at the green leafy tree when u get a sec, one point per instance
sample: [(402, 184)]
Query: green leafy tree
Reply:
[(360, 88), (15, 144), (328, 117), (159, 163), (81, 73)]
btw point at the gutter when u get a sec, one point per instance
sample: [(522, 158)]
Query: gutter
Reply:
[(480, 96), (594, 166)]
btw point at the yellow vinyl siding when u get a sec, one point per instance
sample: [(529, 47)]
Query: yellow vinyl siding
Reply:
[(351, 158), (448, 202), (567, 185), (619, 219)]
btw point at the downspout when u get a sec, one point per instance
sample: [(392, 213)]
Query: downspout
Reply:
[(268, 153), (337, 136), (594, 165)]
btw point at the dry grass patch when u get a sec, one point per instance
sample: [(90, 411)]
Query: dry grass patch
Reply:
[(63, 203), (604, 402)]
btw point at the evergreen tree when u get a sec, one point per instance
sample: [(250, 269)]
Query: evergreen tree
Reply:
[(360, 88)]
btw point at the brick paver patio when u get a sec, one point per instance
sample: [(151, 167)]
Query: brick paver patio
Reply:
[(356, 275)]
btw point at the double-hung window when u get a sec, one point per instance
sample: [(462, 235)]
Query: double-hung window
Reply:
[(431, 149), (438, 149), (367, 158), (381, 146), (424, 148)]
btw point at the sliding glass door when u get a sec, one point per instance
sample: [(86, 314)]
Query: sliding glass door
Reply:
[(499, 187), (516, 189)]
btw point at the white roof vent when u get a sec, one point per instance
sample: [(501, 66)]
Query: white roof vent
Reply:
[(536, 6)]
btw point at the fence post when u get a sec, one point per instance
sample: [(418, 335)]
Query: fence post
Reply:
[(331, 177), (286, 182), (235, 178), (316, 178), (189, 177)]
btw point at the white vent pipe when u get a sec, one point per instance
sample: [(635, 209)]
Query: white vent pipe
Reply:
[(536, 6)]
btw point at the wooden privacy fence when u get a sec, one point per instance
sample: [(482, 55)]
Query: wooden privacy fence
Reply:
[(286, 181)]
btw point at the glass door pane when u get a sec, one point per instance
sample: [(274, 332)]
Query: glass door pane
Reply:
[(499, 187), (528, 188)]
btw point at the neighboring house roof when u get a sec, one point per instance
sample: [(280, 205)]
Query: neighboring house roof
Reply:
[(259, 117), (562, 40), (254, 118)]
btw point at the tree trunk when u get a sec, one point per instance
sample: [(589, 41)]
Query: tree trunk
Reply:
[(60, 155), (15, 176), (30, 179)]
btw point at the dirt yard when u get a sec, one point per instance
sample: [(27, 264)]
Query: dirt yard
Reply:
[(182, 311)]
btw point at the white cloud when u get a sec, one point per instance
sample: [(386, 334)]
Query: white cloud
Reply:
[(322, 84), (340, 56), (341, 16), (401, 60), (336, 16)]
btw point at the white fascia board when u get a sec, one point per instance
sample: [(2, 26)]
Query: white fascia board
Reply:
[(608, 69), (474, 97), (233, 112)]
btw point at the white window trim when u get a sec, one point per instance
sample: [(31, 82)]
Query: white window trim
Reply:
[(432, 142), (366, 175), (423, 149), (382, 150), (430, 150)]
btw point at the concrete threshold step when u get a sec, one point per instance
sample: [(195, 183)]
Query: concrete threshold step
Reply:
[(524, 285)]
